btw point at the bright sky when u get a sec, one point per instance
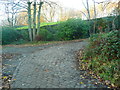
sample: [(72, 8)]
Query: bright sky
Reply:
[(77, 4)]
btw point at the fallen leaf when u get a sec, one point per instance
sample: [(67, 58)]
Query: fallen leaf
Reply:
[(83, 77), (5, 77), (14, 79), (81, 83), (96, 83), (46, 70)]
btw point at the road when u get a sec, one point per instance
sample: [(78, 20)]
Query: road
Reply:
[(50, 66)]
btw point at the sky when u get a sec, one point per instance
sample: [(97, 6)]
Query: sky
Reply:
[(76, 4)]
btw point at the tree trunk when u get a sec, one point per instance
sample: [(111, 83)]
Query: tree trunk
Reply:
[(39, 12), (8, 18), (34, 20), (12, 21), (88, 11), (94, 27), (29, 20), (94, 17), (113, 23)]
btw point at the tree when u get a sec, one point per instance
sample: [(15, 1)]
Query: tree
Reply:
[(39, 13), (11, 9), (33, 33), (22, 18), (29, 20), (34, 20), (67, 13), (86, 5), (116, 13), (95, 15)]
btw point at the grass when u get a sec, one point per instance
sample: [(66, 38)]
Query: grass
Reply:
[(42, 24)]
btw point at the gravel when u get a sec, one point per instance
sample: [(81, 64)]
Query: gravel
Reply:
[(52, 66)]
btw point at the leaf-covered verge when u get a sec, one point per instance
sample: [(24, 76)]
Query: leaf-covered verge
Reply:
[(102, 57)]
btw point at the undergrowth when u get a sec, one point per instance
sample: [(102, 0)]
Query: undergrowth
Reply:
[(102, 56)]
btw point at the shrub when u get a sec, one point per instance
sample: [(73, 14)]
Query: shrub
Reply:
[(45, 35), (24, 34), (12, 36), (9, 35), (72, 29), (20, 41), (103, 56), (67, 30)]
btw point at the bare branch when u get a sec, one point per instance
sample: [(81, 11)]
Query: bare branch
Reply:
[(84, 14)]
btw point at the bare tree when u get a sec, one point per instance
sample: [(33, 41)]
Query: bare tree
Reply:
[(88, 10), (34, 20), (95, 16), (8, 15), (40, 3), (111, 5), (50, 12), (11, 9), (27, 5), (29, 20), (39, 13), (116, 14), (86, 5)]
